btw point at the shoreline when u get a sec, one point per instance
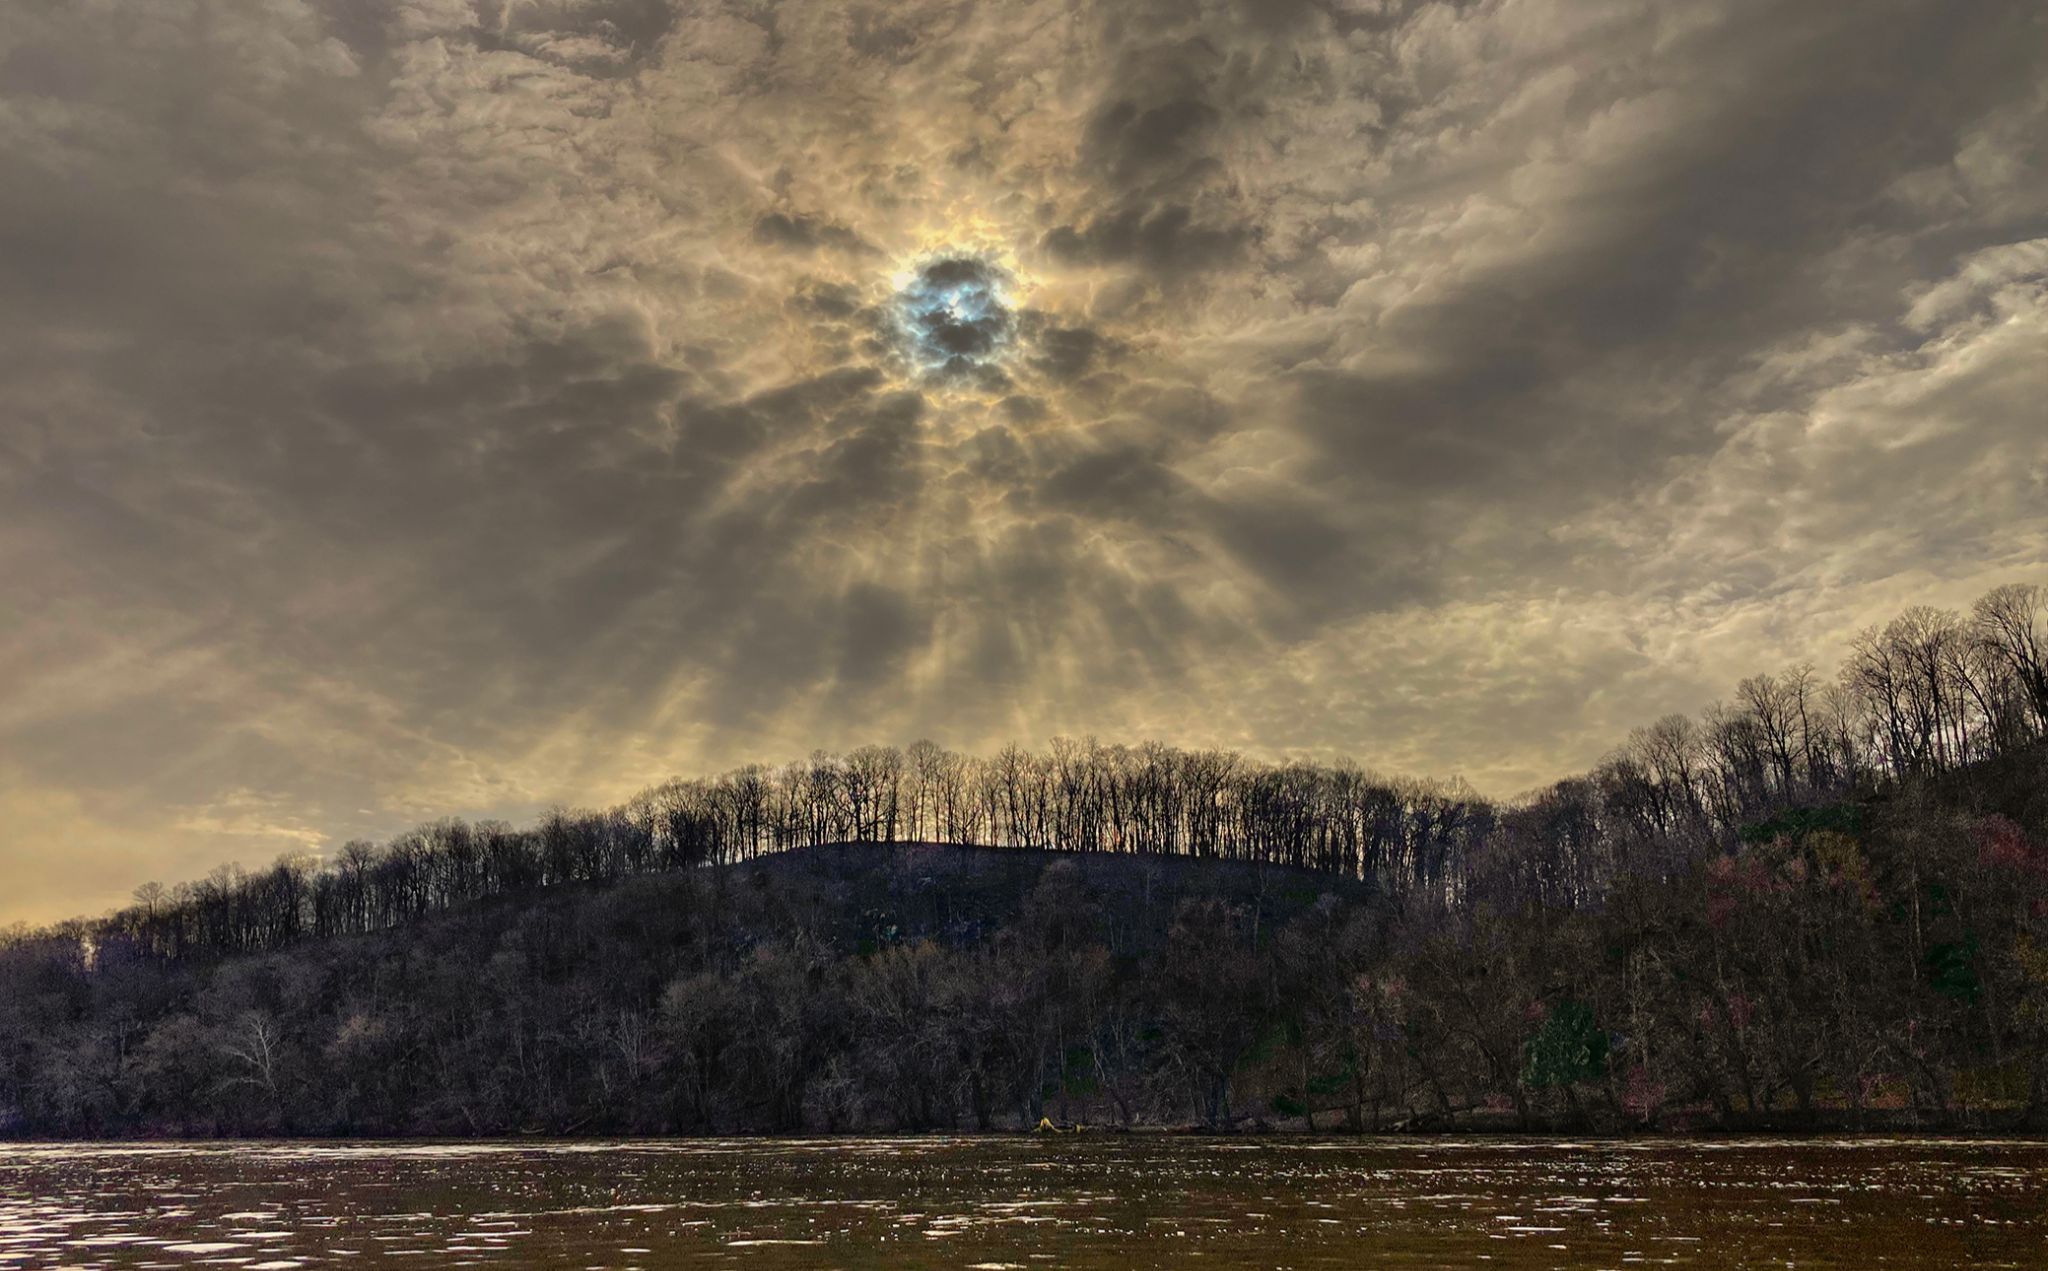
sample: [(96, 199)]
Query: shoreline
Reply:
[(1475, 1137)]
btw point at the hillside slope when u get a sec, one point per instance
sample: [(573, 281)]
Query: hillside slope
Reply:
[(833, 986), (1872, 963)]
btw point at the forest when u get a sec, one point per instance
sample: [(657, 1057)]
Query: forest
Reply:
[(1822, 904)]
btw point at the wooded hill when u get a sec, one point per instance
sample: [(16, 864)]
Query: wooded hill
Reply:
[(1824, 904)]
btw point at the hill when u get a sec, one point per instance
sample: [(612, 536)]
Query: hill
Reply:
[(845, 985), (1872, 963), (1823, 904)]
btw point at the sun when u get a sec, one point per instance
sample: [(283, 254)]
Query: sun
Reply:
[(954, 313)]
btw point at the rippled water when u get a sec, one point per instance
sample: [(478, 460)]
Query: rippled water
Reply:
[(1096, 1202)]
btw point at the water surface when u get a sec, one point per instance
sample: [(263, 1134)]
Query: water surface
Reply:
[(1004, 1204)]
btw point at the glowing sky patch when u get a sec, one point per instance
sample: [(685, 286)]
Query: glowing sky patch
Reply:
[(953, 314)]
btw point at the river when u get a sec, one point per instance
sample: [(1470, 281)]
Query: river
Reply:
[(1010, 1204)]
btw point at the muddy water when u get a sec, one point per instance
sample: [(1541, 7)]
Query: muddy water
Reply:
[(1089, 1202)]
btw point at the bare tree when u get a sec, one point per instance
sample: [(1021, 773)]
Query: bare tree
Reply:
[(2012, 623)]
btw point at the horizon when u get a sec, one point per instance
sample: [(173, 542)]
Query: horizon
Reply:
[(427, 408), (1931, 693)]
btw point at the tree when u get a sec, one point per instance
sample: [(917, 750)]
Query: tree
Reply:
[(2011, 623)]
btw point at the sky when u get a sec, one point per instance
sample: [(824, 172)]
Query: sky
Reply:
[(414, 408)]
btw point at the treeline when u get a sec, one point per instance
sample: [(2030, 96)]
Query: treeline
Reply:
[(1082, 797), (1825, 902), (1926, 694)]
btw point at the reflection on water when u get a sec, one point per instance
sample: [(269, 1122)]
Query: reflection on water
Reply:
[(1097, 1202)]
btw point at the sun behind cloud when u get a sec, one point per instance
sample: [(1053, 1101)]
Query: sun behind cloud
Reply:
[(954, 314)]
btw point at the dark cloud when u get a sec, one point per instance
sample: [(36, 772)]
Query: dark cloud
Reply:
[(1022, 409), (1461, 429), (871, 33), (1111, 483), (808, 233), (1160, 144), (1165, 239), (1068, 353), (880, 630), (1160, 195), (599, 38)]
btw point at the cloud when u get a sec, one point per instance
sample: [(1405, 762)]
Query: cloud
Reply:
[(808, 233), (451, 406)]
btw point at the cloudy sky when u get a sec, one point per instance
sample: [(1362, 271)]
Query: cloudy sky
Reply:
[(415, 407)]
